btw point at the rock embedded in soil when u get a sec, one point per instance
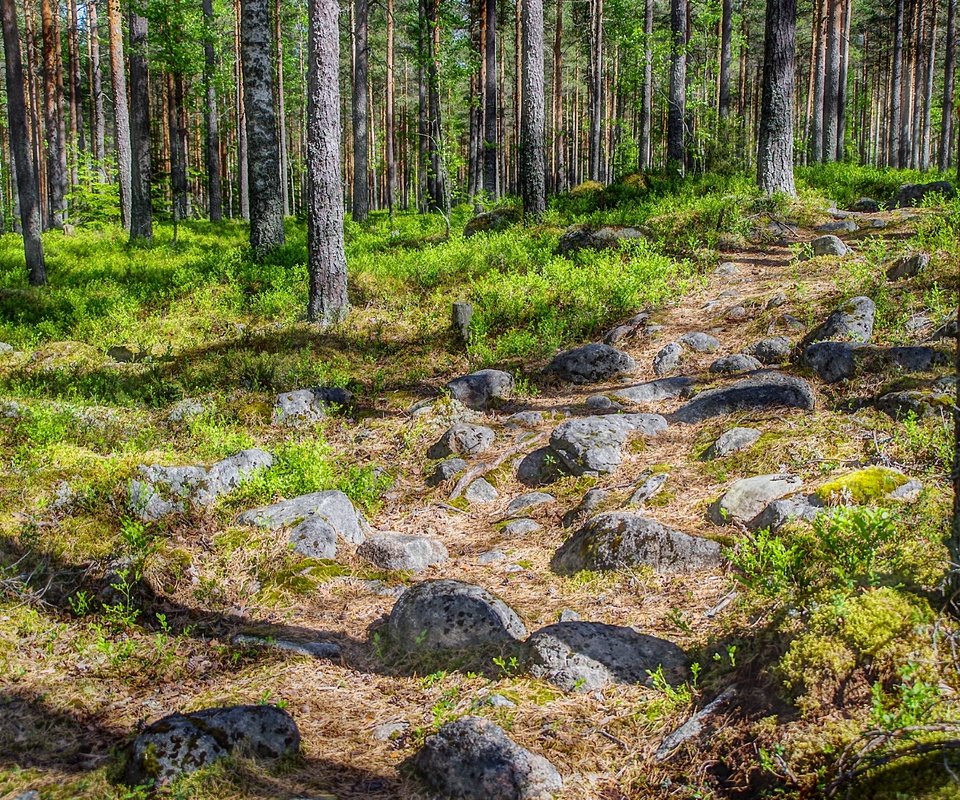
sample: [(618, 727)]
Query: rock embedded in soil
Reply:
[(918, 402), (837, 226), (585, 656), (700, 342), (314, 537), (446, 470), (912, 194), (528, 501), (463, 439), (908, 266), (593, 445), (786, 509), (626, 329), (449, 615), (499, 219), (398, 551), (771, 350), (524, 419), (862, 486), (655, 391), (852, 322), (836, 361), (590, 502), (829, 245), (866, 205), (586, 237), (668, 359), (520, 527), (726, 268), (540, 468), (180, 744), (736, 363), (473, 759), (305, 406), (332, 507), (648, 489), (185, 410), (591, 363), (732, 441), (623, 540), (761, 391), (747, 497), (947, 328), (158, 491), (479, 390), (481, 491), (315, 648)]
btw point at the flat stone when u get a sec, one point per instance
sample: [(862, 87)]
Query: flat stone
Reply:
[(622, 540), (626, 329), (499, 219), (521, 527), (760, 391), (700, 342), (839, 225), (524, 419), (730, 365), (473, 759), (591, 363), (332, 506), (314, 648), (491, 557), (668, 359), (919, 402), (851, 322), (585, 656), (528, 501), (655, 391), (747, 497), (771, 350), (479, 390), (463, 439), (600, 402), (836, 361), (913, 194), (829, 245), (732, 441), (588, 237), (908, 266), (386, 731), (590, 502), (308, 405), (595, 444), (726, 268), (398, 551), (481, 491), (446, 470), (648, 489)]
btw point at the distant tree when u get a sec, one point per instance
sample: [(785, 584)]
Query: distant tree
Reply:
[(491, 157), (53, 116), (141, 205), (775, 148), (596, 90), (677, 104), (214, 195), (361, 120), (532, 158), (949, 70), (121, 113)]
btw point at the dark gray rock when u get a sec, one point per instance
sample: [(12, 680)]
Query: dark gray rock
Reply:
[(866, 205), (838, 225), (771, 350), (585, 656), (919, 402), (590, 445), (732, 441), (786, 509), (586, 237), (947, 329), (747, 497), (591, 363), (912, 194), (836, 361), (590, 502), (776, 300), (829, 245), (461, 313), (473, 759), (788, 322), (463, 439), (621, 540), (731, 365), (446, 470), (315, 648), (761, 391), (668, 359), (479, 390), (600, 402), (481, 491), (308, 405), (520, 527), (625, 330), (832, 361), (158, 491), (333, 507), (908, 266), (398, 551), (851, 322), (499, 219), (700, 342), (655, 391), (526, 502), (447, 615), (540, 468), (180, 744)]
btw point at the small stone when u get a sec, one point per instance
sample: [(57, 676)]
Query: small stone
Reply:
[(460, 315), (600, 402), (908, 493), (524, 419), (908, 266), (332, 506), (588, 237), (499, 219), (878, 223), (776, 301), (446, 470), (398, 551), (481, 491), (591, 501), (526, 502), (866, 205), (627, 329), (480, 389), (314, 537), (829, 245), (520, 527), (726, 268), (700, 342), (491, 557), (736, 313), (308, 405), (655, 391), (844, 225), (786, 509), (568, 615), (463, 439), (185, 410), (747, 497), (499, 701), (732, 441), (730, 365), (650, 487), (591, 363), (595, 444), (788, 322), (540, 468), (314, 649), (668, 359), (6, 349), (772, 350), (386, 731), (947, 328)]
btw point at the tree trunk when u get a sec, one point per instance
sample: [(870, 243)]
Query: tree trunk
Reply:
[(832, 80), (491, 184), (953, 540), (77, 137), (819, 82), (847, 6), (775, 149), (214, 194), (646, 111), (390, 132), (532, 163), (178, 147), (281, 112), (121, 114), (53, 123), (328, 302), (361, 160), (896, 87), (141, 210), (20, 145), (595, 165), (263, 151), (243, 171), (559, 140), (98, 122), (928, 93), (726, 35), (949, 70), (439, 185), (676, 149)]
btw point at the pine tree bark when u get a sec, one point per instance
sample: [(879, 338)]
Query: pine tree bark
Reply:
[(896, 87), (77, 137), (726, 36), (98, 122), (20, 145), (949, 70), (281, 110), (390, 130), (178, 147), (931, 59), (243, 172), (491, 156), (214, 192), (532, 158), (263, 149), (328, 302), (361, 158), (596, 93), (141, 209), (819, 82), (847, 9), (439, 183), (775, 149), (121, 113), (646, 109), (559, 138), (677, 104), (53, 122), (832, 81)]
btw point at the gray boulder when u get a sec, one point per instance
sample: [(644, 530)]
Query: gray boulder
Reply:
[(526, 502), (731, 365), (308, 405), (185, 410), (586, 237), (836, 361), (481, 491), (850, 322), (499, 219), (649, 488), (772, 350), (398, 551), (332, 507), (446, 470), (786, 509), (622, 540), (447, 615), (463, 439), (931, 402), (585, 656), (700, 342), (837, 226), (908, 266), (732, 441), (590, 502), (591, 445), (540, 468), (591, 363), (600, 402), (479, 390), (747, 497), (668, 359), (655, 391), (761, 391), (473, 759), (158, 491), (832, 361), (866, 205), (912, 194), (314, 537), (520, 527), (180, 744), (829, 245)]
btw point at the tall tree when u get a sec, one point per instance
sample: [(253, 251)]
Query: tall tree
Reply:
[(596, 91), (121, 113), (20, 144), (677, 105), (832, 80), (491, 156), (726, 37), (818, 65), (177, 124), (559, 171), (214, 194), (532, 161), (263, 149), (390, 133), (949, 70), (646, 109), (141, 208), (328, 302), (361, 160), (53, 118), (896, 87), (775, 148), (97, 122)]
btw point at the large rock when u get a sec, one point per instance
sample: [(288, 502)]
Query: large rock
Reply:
[(772, 350), (747, 497), (446, 470), (908, 266), (931, 402), (473, 759), (463, 439), (398, 551), (159, 491), (836, 361), (180, 744), (584, 656), (786, 509), (829, 245), (479, 390), (586, 237), (622, 540), (655, 391), (700, 342), (314, 537), (332, 507), (668, 359), (761, 391), (732, 364), (851, 322), (866, 205), (447, 615), (308, 405), (499, 219), (540, 468), (591, 363), (591, 445), (912, 194)]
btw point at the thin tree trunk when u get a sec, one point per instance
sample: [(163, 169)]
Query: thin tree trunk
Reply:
[(121, 114), (328, 302), (532, 165), (20, 145), (949, 70), (596, 90), (490, 103), (98, 122), (775, 149), (141, 210), (726, 36), (896, 87), (676, 117), (646, 111), (559, 139), (928, 93), (819, 82), (361, 160), (390, 132), (440, 192), (178, 147), (832, 80), (847, 7), (52, 113), (214, 192), (281, 111)]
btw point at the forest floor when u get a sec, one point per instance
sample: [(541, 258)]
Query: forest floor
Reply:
[(108, 623)]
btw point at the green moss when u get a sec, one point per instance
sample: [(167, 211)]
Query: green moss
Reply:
[(863, 485)]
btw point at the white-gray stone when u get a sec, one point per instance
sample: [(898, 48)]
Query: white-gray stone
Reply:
[(481, 491), (655, 391), (733, 364), (528, 501), (747, 497), (591, 363), (732, 441), (463, 439), (398, 551), (308, 405), (479, 390), (332, 506), (668, 359), (592, 445)]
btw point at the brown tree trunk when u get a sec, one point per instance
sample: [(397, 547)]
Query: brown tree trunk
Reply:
[(532, 163), (775, 149), (646, 111), (141, 209), (121, 114), (726, 36), (896, 87), (596, 93), (676, 117), (390, 132), (491, 183), (53, 118), (214, 192), (97, 122), (361, 160), (949, 70)]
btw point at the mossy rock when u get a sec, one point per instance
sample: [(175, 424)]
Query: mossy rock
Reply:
[(586, 188), (499, 219), (863, 486)]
